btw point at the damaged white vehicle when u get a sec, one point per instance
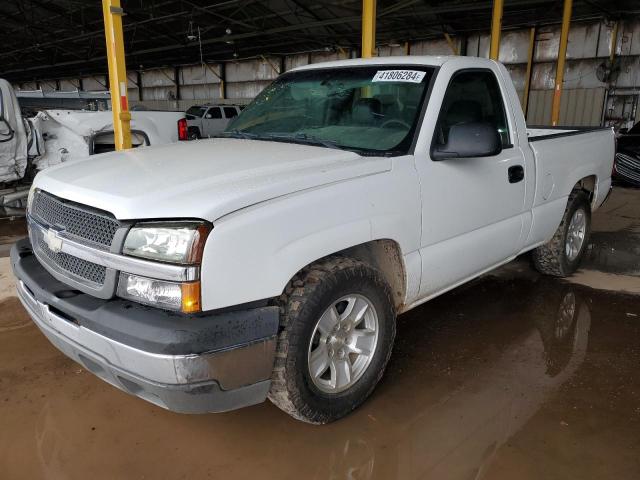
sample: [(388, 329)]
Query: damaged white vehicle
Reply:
[(56, 136), (15, 136)]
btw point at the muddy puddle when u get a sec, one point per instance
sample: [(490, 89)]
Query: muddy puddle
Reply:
[(614, 252), (12, 229), (505, 378)]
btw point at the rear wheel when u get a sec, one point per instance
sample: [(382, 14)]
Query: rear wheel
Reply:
[(337, 330), (561, 256), (194, 134)]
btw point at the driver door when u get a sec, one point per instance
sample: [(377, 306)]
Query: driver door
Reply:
[(212, 122), (472, 208)]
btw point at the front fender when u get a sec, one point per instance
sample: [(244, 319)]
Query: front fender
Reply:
[(252, 254)]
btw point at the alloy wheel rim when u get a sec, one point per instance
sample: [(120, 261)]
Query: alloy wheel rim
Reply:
[(343, 343), (576, 234)]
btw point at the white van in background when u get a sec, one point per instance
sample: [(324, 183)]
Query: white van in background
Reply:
[(208, 120)]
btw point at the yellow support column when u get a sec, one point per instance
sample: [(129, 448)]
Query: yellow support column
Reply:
[(562, 54), (614, 41), (527, 76), (368, 28), (496, 25), (452, 43), (112, 12)]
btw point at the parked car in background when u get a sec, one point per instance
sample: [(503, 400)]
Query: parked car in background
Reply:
[(627, 165), (209, 120)]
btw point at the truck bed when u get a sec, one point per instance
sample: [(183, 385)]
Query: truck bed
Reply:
[(536, 133)]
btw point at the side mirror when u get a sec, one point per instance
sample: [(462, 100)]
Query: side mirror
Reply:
[(208, 115), (468, 140)]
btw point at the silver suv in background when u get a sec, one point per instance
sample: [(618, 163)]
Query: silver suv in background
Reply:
[(208, 120)]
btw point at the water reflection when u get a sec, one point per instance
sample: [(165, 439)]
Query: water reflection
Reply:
[(469, 371)]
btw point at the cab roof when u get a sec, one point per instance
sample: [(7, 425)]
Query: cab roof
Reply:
[(421, 60)]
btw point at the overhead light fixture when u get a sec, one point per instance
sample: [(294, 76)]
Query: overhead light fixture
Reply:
[(191, 32), (228, 31)]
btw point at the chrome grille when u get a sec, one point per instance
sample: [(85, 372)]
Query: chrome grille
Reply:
[(628, 161), (628, 167), (86, 224), (74, 265)]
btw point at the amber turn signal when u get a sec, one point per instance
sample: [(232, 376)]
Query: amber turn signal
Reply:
[(191, 297)]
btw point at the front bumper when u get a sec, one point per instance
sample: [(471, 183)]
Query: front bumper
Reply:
[(210, 362)]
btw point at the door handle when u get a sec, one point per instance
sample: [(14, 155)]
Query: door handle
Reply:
[(516, 173)]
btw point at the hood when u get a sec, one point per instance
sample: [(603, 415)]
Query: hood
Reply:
[(201, 179)]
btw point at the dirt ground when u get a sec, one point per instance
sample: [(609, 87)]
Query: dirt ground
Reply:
[(514, 376)]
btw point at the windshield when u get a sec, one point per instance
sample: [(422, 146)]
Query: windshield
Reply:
[(196, 111), (372, 110)]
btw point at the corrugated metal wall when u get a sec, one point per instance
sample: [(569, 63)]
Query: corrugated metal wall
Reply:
[(582, 103), (580, 107), (584, 95)]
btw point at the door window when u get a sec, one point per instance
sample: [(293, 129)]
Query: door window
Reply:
[(215, 112), (472, 96), (230, 112)]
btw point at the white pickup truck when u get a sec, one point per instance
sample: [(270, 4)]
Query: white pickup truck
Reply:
[(272, 262)]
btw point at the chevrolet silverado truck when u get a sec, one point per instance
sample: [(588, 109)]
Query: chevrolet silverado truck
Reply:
[(271, 262)]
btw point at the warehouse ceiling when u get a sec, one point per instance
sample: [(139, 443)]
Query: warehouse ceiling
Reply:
[(58, 38)]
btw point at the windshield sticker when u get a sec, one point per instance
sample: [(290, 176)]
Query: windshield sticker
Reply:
[(413, 76)]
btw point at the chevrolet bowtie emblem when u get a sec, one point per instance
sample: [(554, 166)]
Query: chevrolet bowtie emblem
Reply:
[(54, 242)]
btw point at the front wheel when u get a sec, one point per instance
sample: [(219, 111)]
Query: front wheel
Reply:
[(337, 331), (561, 256)]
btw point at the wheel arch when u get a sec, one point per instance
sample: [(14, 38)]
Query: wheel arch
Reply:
[(589, 185), (386, 256)]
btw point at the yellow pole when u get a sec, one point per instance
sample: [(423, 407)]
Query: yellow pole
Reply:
[(452, 43), (614, 41), (368, 28), (496, 25), (562, 54), (527, 76), (112, 12)]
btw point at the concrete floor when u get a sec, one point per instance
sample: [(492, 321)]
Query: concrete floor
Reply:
[(513, 376)]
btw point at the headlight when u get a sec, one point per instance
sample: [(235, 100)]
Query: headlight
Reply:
[(174, 242), (184, 297)]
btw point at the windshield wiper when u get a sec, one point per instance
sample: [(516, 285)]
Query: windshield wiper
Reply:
[(299, 138), (238, 134), (303, 138)]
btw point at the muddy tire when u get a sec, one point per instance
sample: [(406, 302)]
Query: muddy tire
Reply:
[(561, 256), (328, 361)]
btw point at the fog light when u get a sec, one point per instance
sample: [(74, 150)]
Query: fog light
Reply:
[(183, 297)]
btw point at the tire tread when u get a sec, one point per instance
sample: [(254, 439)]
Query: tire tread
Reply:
[(284, 392), (547, 258)]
